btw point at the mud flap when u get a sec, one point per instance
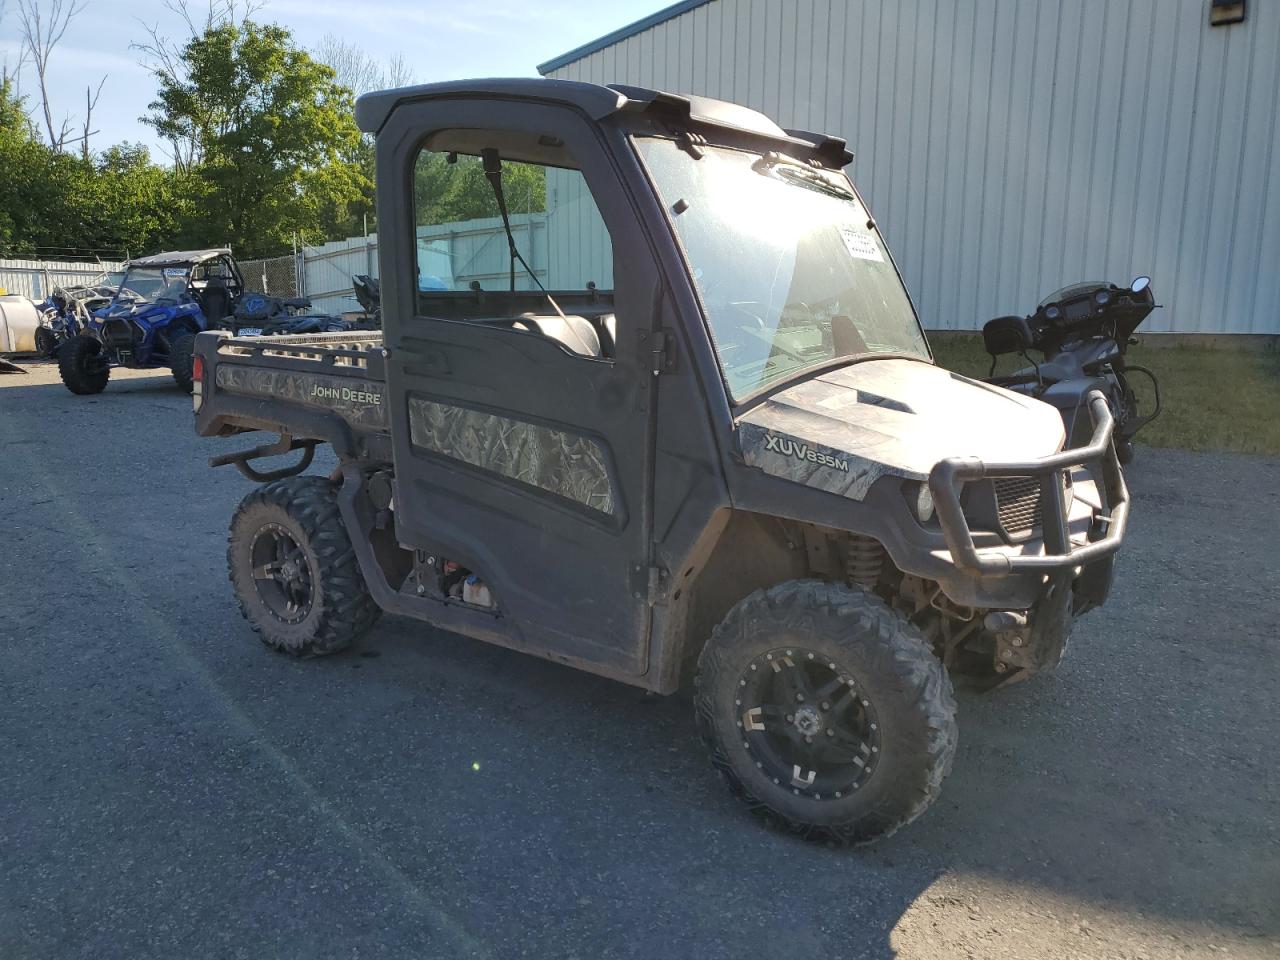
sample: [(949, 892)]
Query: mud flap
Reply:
[(1039, 646), (1093, 585)]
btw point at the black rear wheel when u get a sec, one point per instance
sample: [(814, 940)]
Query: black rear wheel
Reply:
[(82, 367), (826, 711), (294, 570)]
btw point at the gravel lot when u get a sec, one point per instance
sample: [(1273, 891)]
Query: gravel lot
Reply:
[(169, 788)]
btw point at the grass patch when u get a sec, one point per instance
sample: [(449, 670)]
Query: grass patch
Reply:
[(1214, 399)]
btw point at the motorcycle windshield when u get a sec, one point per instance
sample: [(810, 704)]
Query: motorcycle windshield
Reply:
[(1073, 290)]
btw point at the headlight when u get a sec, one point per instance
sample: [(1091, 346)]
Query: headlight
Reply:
[(1102, 297), (920, 499)]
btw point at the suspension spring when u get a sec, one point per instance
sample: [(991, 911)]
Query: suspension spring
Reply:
[(864, 560)]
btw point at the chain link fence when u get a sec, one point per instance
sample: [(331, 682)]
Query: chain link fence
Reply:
[(277, 276)]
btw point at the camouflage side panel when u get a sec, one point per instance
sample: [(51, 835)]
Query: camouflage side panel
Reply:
[(566, 464), (843, 430), (780, 453), (359, 402)]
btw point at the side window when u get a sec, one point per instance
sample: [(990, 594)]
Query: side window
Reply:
[(562, 242)]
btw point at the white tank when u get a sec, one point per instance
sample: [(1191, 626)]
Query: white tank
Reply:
[(18, 322)]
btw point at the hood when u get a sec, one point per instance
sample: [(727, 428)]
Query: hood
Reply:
[(145, 311), (843, 430)]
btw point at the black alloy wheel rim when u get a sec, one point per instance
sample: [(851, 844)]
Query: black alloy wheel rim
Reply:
[(92, 361), (806, 725), (282, 574)]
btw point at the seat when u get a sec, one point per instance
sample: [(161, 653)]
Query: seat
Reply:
[(609, 335), (574, 332), (1007, 335), (215, 302)]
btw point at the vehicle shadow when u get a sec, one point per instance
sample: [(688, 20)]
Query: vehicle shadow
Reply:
[(569, 814), (611, 783), (1132, 784)]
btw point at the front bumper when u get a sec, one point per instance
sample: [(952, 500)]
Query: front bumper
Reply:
[(1061, 552)]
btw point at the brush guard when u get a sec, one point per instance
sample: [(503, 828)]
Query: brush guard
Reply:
[(948, 477)]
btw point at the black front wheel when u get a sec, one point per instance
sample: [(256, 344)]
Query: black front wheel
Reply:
[(46, 342), (82, 366), (826, 711), (294, 570), (182, 359)]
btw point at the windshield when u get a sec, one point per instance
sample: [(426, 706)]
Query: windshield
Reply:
[(153, 285), (1073, 290), (790, 274)]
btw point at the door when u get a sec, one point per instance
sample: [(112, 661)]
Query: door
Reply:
[(519, 388)]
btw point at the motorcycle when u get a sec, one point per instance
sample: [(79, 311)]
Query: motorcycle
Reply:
[(369, 296), (1082, 332), (262, 315)]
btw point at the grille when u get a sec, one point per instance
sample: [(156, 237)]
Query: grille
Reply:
[(1018, 504)]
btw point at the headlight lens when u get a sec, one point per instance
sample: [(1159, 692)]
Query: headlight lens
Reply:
[(920, 499)]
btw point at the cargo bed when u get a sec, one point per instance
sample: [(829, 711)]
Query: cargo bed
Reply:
[(325, 387)]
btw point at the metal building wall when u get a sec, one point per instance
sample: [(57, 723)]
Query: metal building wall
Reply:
[(1010, 148), (37, 278)]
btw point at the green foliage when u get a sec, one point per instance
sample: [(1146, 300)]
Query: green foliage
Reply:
[(272, 153), (13, 115), (137, 205), (276, 146), (447, 193), (37, 186), (117, 202)]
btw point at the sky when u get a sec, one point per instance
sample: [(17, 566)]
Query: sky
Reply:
[(439, 39)]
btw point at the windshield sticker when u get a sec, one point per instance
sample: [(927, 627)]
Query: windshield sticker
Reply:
[(175, 271), (860, 245)]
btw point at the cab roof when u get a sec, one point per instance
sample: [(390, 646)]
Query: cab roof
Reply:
[(599, 102), (180, 258)]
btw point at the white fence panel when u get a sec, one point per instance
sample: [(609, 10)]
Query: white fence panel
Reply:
[(36, 278), (450, 256), (326, 272)]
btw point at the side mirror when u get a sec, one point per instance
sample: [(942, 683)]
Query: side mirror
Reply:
[(1140, 284)]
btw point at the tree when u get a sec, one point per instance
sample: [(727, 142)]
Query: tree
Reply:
[(13, 113), (11, 75), (271, 133), (15, 136), (360, 73), (166, 57), (130, 203), (43, 24), (52, 201), (447, 192)]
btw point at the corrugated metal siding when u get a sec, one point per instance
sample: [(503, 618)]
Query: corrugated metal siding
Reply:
[(1008, 149), (37, 278), (578, 248)]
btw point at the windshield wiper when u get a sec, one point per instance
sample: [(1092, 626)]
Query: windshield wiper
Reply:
[(779, 167), (493, 173)]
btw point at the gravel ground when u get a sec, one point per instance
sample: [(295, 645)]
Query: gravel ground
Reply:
[(170, 788)]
